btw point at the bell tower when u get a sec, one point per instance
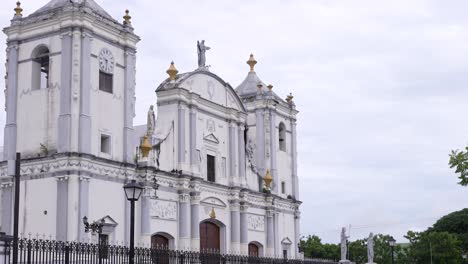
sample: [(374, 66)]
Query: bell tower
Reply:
[(70, 84)]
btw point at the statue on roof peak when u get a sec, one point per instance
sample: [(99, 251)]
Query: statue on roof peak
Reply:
[(201, 49)]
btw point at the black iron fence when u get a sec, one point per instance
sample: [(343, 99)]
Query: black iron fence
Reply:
[(38, 251)]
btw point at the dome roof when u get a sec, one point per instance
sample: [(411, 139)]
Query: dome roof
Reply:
[(59, 4), (250, 85)]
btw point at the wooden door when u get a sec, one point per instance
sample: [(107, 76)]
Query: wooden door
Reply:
[(253, 250), (158, 241), (209, 237)]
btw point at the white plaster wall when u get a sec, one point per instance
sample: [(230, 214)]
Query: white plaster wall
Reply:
[(107, 109), (37, 196), (108, 198), (286, 230), (284, 158), (206, 147), (211, 89), (165, 127), (37, 110)]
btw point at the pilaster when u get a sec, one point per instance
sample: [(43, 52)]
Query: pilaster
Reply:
[(195, 221), (295, 179), (75, 88), (194, 168), (7, 207), (244, 238), (84, 139), (9, 142), (181, 134), (129, 104), (235, 226), (184, 220), (273, 151), (65, 116), (242, 168), (233, 175), (145, 212), (83, 205), (297, 231), (61, 232), (270, 245), (260, 138)]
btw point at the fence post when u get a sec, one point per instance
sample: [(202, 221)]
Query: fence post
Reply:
[(5, 248), (67, 254)]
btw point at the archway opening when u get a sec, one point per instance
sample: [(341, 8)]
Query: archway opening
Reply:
[(159, 241), (253, 250)]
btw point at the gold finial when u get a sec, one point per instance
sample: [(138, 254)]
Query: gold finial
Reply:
[(172, 71), (260, 87), (18, 9), (268, 179), (145, 147), (212, 213), (270, 87), (127, 17), (289, 98), (251, 62)]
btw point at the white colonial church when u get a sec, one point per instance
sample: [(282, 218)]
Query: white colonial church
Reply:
[(213, 148)]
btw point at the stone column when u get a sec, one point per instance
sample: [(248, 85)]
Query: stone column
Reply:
[(297, 231), (84, 138), (233, 175), (193, 140), (270, 245), (9, 141), (181, 137), (145, 212), (295, 180), (65, 116), (195, 221), (83, 205), (241, 140), (244, 235), (7, 207), (61, 232), (129, 105), (184, 221), (235, 227), (260, 138)]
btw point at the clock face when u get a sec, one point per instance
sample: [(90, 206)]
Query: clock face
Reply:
[(106, 61)]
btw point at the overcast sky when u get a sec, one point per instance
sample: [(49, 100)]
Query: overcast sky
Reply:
[(381, 87)]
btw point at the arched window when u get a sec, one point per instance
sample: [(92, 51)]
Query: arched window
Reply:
[(40, 68), (282, 136)]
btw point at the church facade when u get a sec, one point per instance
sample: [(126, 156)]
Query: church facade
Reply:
[(218, 163)]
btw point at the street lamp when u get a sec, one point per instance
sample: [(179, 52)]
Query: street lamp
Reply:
[(133, 192), (392, 242)]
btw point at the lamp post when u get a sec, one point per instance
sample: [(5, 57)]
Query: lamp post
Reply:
[(133, 192), (392, 242)]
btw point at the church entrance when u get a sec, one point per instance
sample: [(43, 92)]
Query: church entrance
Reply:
[(253, 250), (209, 237), (159, 241)]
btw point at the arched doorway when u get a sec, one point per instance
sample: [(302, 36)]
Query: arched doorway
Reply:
[(209, 236), (159, 241), (253, 250)]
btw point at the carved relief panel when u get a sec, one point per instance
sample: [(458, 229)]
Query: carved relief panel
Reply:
[(161, 209)]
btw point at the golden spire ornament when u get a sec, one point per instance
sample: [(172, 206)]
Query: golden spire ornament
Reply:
[(172, 72), (289, 98), (127, 17), (18, 9), (145, 147), (270, 87), (260, 87), (212, 213), (268, 179), (251, 62)]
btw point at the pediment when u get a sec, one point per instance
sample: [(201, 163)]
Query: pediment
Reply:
[(108, 221), (213, 202), (211, 138), (286, 241)]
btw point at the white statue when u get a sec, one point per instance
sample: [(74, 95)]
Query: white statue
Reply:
[(370, 248), (201, 50), (344, 248), (151, 122)]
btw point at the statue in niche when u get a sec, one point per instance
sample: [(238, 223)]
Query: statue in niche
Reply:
[(370, 248), (151, 121), (201, 49)]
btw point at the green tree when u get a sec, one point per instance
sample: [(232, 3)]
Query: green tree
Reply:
[(455, 223), (313, 248), (459, 160), (443, 247)]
